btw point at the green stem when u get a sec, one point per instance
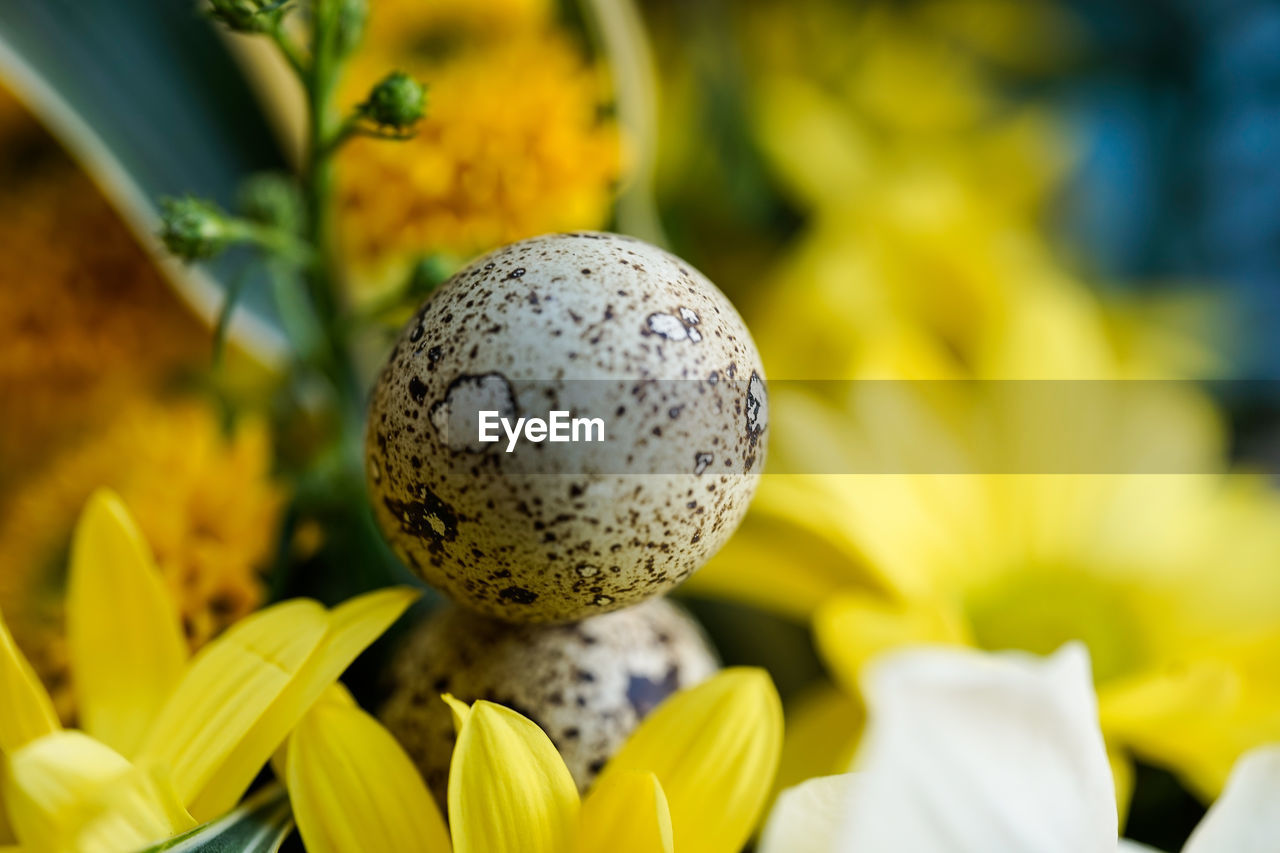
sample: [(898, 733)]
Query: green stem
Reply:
[(345, 131), (275, 241), (324, 127)]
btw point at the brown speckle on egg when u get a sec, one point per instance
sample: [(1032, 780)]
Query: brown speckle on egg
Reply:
[(582, 322), (587, 684)]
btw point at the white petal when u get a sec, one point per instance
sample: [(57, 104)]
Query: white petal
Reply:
[(1246, 818), (807, 818), (1127, 846), (968, 752)]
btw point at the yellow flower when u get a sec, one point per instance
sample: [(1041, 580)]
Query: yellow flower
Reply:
[(166, 742), (205, 501), (1168, 578), (79, 330), (693, 777), (514, 142)]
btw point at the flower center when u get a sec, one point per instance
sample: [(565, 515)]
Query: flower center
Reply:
[(1039, 610)]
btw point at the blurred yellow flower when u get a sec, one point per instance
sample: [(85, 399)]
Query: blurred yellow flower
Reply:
[(81, 328), (166, 742), (516, 140), (925, 187), (1168, 577), (204, 499)]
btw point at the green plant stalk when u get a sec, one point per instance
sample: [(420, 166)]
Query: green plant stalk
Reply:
[(325, 126)]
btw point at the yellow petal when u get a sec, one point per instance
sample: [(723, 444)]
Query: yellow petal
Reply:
[(139, 808), (335, 694), (352, 627), (851, 629), (627, 813), (67, 791), (715, 749), (822, 730), (509, 791), (228, 688), (1173, 714), (353, 787), (461, 710), (125, 638), (26, 712)]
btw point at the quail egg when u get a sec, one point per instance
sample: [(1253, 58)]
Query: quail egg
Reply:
[(587, 684), (595, 328)]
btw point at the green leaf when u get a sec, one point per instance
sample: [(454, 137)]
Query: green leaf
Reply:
[(260, 825), (145, 95)]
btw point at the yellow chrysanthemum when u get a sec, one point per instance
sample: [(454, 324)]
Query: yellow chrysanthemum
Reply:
[(515, 141), (205, 500), (166, 742)]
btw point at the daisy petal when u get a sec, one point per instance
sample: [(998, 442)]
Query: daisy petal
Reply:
[(628, 813), (26, 712), (351, 628), (509, 791), (715, 749), (852, 628), (126, 657), (228, 688), (353, 787), (67, 791)]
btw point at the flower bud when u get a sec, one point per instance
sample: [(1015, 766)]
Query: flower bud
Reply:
[(270, 198), (242, 16), (192, 228), (397, 102)]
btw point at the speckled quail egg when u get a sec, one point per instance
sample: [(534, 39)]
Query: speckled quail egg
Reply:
[(597, 327), (587, 684)]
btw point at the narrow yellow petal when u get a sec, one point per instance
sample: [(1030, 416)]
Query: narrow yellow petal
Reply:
[(67, 791), (353, 787), (627, 813), (352, 627), (822, 731), (509, 791), (137, 809), (335, 694), (461, 710), (715, 749), (227, 689), (125, 637), (26, 712), (850, 629), (51, 783)]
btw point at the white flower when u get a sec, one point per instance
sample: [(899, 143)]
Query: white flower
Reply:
[(968, 752)]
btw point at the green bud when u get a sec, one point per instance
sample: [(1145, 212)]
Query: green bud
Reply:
[(243, 16), (192, 228), (351, 18), (397, 102), (271, 198)]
